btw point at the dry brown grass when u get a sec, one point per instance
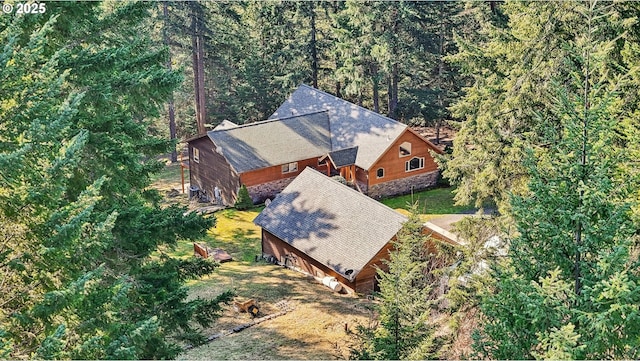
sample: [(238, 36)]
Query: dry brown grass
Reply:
[(169, 180), (314, 329)]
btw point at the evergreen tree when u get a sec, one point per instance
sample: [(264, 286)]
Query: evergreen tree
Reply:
[(80, 90), (404, 331), (38, 149), (512, 59), (244, 199), (427, 94), (570, 286)]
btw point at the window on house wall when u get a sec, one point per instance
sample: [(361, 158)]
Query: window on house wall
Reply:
[(405, 149), (196, 155), (413, 164), (290, 167), (380, 173)]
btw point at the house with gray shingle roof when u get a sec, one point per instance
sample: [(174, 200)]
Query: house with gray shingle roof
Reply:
[(375, 154), (325, 228)]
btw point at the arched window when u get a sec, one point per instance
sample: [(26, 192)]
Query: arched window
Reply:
[(405, 149), (380, 173), (413, 164)]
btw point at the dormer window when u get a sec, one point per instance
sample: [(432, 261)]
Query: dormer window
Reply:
[(405, 149)]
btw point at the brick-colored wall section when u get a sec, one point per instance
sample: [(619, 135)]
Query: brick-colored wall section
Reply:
[(274, 173), (403, 185)]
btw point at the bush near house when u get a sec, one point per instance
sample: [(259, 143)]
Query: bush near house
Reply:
[(244, 200)]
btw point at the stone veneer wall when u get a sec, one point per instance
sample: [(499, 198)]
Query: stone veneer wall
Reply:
[(259, 193), (363, 187), (403, 186)]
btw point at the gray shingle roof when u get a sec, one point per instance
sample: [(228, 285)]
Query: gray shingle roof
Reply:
[(332, 223), (225, 124), (344, 157), (273, 142), (351, 125)]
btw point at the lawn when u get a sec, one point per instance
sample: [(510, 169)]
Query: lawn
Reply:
[(315, 328), (169, 178), (432, 201), (316, 324)]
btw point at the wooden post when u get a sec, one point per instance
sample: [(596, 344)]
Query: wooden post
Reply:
[(182, 172)]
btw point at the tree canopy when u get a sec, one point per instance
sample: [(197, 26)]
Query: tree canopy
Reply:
[(82, 276)]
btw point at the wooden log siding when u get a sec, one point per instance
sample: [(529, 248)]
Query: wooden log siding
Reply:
[(211, 170), (366, 280), (361, 175), (274, 246), (394, 164)]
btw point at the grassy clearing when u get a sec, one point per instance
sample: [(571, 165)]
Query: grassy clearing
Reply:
[(169, 179), (432, 201), (315, 328), (236, 233)]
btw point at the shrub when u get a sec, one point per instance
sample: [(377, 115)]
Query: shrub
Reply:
[(244, 200)]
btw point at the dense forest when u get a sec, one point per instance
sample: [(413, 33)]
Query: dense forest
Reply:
[(241, 59), (543, 95)]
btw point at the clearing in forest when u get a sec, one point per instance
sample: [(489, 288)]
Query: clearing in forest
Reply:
[(315, 327)]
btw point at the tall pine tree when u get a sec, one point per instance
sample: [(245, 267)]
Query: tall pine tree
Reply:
[(403, 330), (570, 287), (82, 226)]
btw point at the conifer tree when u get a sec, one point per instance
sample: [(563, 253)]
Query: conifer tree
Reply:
[(570, 286), (403, 331), (244, 199), (82, 83), (512, 59)]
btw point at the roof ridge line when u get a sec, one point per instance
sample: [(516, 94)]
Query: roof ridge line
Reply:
[(260, 122), (297, 115), (359, 106)]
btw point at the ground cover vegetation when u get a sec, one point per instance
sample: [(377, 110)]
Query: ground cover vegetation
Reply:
[(432, 201), (544, 96)]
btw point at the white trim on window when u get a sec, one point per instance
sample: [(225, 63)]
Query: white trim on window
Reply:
[(378, 171), (414, 163), (290, 167), (196, 154), (405, 149)]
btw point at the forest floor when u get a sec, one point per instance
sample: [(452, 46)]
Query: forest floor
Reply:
[(315, 326)]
